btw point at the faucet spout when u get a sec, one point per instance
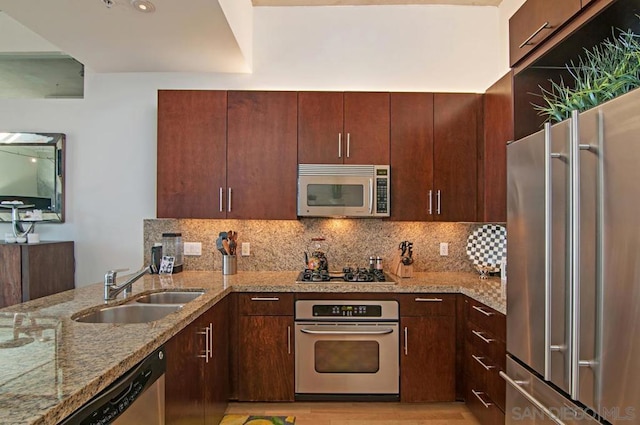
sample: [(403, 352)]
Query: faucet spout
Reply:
[(111, 290)]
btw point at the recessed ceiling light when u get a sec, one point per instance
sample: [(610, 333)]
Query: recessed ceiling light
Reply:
[(143, 6)]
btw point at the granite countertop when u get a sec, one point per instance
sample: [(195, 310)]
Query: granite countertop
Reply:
[(53, 365)]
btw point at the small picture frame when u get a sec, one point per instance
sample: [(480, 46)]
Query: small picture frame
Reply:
[(166, 265)]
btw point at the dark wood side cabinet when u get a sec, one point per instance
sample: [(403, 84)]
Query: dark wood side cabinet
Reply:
[(457, 128), (197, 377), (492, 151), (192, 153), (337, 128), (484, 358), (265, 347), (29, 271), (428, 347)]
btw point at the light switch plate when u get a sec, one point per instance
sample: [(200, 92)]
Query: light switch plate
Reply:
[(193, 248), (246, 249), (444, 249)]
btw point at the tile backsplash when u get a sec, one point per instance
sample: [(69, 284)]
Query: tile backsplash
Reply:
[(279, 245)]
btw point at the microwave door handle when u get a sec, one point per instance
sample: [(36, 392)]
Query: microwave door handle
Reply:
[(370, 196)]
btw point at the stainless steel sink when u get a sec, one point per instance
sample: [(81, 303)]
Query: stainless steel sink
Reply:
[(169, 297), (129, 313)]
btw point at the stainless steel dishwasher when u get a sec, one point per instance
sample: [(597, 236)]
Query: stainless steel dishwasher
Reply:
[(135, 398)]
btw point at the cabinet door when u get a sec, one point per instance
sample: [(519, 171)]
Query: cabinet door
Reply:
[(498, 130), (534, 22), (265, 358), (192, 136), (457, 123), (320, 124), (184, 383), (366, 124), (428, 359), (10, 275), (411, 156), (262, 155), (47, 268), (216, 375)]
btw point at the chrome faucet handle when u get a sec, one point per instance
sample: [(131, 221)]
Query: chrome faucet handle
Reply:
[(110, 276)]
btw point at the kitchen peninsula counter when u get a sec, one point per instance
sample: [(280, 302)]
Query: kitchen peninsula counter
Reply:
[(67, 363)]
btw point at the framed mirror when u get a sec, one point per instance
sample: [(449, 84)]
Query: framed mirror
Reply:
[(32, 172)]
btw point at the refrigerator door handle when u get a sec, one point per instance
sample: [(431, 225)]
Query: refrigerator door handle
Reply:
[(548, 229), (517, 385)]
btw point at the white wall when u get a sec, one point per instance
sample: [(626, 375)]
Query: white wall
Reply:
[(111, 134)]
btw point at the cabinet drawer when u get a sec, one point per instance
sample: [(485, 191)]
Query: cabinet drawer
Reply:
[(534, 22), (484, 373), (265, 304), (485, 344), (427, 305), (483, 407), (488, 319)]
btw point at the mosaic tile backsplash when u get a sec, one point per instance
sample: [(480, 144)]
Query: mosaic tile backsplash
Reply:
[(279, 245)]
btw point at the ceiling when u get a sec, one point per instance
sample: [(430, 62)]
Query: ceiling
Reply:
[(180, 36)]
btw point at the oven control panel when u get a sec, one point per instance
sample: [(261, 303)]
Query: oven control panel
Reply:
[(347, 311)]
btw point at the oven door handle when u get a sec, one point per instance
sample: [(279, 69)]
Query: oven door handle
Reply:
[(347, 332)]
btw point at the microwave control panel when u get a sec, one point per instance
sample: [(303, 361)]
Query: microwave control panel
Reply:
[(382, 190)]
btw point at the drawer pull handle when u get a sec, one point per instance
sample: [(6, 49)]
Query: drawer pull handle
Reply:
[(265, 299), (478, 394), (517, 385), (483, 311), (536, 32), (428, 300), (479, 360), (482, 337)]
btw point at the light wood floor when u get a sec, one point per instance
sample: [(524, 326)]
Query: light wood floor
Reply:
[(347, 413)]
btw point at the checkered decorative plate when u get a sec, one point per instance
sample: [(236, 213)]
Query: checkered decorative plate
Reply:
[(487, 246)]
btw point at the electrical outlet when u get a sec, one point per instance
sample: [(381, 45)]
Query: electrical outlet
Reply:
[(246, 249), (444, 249), (193, 248)]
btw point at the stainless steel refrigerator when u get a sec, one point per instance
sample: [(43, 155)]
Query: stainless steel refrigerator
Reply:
[(573, 291)]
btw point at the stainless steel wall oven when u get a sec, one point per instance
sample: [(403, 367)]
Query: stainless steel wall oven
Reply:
[(347, 350)]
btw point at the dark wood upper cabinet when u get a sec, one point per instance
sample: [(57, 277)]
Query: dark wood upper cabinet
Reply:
[(498, 130), (337, 128), (534, 22), (411, 156), (192, 153), (457, 126), (30, 271), (262, 155)]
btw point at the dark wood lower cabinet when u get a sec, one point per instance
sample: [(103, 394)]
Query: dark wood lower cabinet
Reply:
[(29, 271), (265, 358), (197, 377)]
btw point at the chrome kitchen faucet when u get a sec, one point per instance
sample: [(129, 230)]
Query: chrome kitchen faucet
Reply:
[(111, 290)]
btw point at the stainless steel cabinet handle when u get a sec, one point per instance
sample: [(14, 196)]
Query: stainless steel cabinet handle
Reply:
[(348, 144), (479, 360), (574, 170), (431, 202), (438, 202), (478, 394), (221, 206), (536, 32), (289, 339), (406, 341), (482, 337), (548, 231), (428, 300), (265, 299), (380, 332), (211, 340), (483, 311), (339, 145), (517, 386), (229, 201), (206, 354)]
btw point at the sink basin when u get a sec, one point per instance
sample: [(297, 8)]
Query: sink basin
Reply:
[(169, 297), (129, 313)]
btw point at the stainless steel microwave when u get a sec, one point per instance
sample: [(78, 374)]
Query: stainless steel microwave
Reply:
[(341, 190)]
